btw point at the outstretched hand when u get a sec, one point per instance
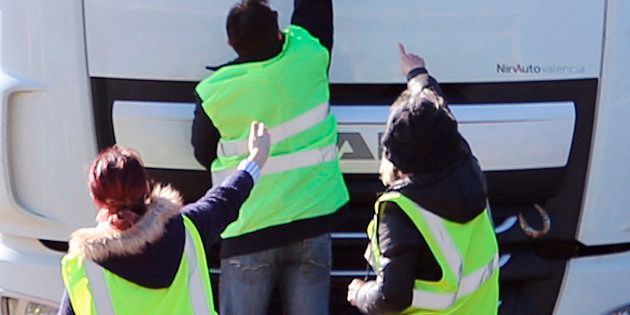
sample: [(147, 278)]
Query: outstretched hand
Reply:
[(259, 143), (409, 61), (353, 289)]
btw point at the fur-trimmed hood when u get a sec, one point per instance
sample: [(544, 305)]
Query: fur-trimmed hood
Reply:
[(102, 241)]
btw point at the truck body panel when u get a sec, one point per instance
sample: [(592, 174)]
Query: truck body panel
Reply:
[(595, 285), (539, 89), (48, 136), (606, 213), (466, 41)]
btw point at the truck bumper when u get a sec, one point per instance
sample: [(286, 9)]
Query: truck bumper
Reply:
[(595, 285), (29, 273)]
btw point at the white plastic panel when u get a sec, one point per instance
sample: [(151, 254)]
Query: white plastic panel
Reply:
[(28, 269), (606, 208), (595, 285), (503, 136), (48, 137), (159, 131), (463, 41)]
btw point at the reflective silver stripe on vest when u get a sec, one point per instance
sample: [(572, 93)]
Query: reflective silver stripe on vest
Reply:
[(471, 282), (286, 162), (447, 245), (467, 285), (280, 132), (103, 302), (431, 300), (196, 290), (98, 287)]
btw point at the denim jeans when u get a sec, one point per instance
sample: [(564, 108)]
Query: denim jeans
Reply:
[(301, 270)]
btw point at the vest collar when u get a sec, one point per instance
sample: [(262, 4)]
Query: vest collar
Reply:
[(271, 52), (102, 241)]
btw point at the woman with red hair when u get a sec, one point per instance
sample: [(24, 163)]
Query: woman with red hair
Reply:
[(147, 253)]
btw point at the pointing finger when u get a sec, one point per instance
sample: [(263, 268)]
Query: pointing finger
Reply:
[(261, 129), (253, 128), (402, 50)]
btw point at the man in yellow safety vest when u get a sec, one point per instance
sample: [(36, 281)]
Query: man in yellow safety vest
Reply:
[(281, 79)]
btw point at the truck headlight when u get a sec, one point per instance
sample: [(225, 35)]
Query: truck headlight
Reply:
[(14, 306)]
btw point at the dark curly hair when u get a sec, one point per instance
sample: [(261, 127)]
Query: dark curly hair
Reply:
[(421, 134)]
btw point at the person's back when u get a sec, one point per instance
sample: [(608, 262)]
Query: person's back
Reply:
[(147, 255), (97, 270), (432, 244), (303, 160), (436, 235), (280, 78)]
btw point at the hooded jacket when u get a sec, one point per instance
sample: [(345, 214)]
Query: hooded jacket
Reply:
[(149, 253), (455, 192)]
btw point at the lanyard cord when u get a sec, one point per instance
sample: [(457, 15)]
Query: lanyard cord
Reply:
[(367, 272)]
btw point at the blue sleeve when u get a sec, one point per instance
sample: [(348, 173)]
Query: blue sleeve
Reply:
[(219, 207), (65, 307)]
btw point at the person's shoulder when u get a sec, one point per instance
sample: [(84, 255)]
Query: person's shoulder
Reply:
[(203, 88), (396, 228), (300, 37), (393, 212), (219, 81), (296, 30), (224, 73)]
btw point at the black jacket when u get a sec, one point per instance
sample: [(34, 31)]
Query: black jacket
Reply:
[(456, 193), (316, 16)]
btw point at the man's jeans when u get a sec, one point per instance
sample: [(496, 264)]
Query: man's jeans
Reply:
[(301, 270)]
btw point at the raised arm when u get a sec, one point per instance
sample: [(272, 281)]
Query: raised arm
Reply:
[(220, 205), (316, 16), (414, 69)]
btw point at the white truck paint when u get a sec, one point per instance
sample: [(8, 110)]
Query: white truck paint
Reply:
[(464, 41), (50, 50), (601, 282), (47, 139), (606, 213)]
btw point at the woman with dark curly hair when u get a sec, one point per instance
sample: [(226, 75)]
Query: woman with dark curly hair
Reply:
[(432, 244)]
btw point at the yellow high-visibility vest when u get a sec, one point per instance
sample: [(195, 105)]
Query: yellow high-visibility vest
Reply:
[(289, 93), (466, 253), (95, 290)]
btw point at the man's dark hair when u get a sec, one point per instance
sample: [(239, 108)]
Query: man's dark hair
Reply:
[(252, 28)]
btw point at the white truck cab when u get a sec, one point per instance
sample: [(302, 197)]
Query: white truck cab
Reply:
[(539, 87)]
